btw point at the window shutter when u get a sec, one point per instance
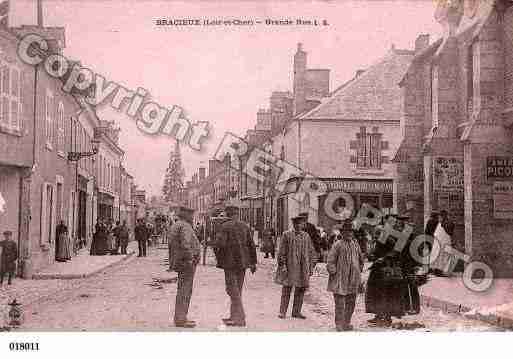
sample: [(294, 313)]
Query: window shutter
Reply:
[(352, 159), (43, 225)]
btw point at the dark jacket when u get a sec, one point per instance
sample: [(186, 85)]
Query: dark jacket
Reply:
[(448, 226), (234, 245), (431, 226), (141, 232), (9, 256), (314, 236)]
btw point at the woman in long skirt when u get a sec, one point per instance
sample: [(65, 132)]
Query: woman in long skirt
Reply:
[(63, 252)]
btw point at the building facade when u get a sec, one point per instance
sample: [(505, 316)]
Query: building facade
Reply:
[(457, 130)]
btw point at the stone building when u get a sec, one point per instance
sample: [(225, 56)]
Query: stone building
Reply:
[(109, 159), (40, 126), (457, 152), (345, 139)]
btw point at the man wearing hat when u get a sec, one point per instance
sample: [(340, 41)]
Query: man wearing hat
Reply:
[(8, 258), (236, 252), (314, 234), (184, 255), (141, 236), (296, 262)]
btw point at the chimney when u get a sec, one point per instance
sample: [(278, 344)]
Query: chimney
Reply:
[(299, 80), (421, 43), (201, 172), (40, 13)]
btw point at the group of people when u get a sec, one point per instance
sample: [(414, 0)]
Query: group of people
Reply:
[(109, 238), (391, 290)]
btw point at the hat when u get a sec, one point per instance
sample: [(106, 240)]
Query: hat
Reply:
[(402, 217), (298, 218), (7, 233), (434, 212), (303, 214)]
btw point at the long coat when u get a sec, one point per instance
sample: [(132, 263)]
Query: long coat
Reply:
[(184, 246), (297, 254), (235, 248), (345, 264), (123, 235), (9, 256), (393, 298)]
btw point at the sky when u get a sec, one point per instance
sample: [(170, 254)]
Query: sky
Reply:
[(219, 74)]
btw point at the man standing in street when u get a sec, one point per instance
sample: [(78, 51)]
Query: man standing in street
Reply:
[(123, 235), (296, 261), (141, 236), (8, 257), (184, 255), (115, 233), (345, 265), (235, 252), (314, 234)]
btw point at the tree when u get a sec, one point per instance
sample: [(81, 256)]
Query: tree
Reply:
[(174, 177)]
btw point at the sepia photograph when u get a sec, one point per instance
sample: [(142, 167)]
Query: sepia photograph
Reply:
[(224, 167)]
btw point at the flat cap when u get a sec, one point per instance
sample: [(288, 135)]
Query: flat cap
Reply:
[(298, 218), (7, 233), (303, 214)]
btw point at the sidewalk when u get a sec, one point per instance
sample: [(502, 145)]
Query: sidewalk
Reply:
[(83, 265), (494, 306), (29, 291)]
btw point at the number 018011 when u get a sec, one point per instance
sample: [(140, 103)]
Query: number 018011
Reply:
[(23, 346)]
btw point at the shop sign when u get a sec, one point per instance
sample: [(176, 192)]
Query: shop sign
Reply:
[(359, 186), (499, 168), (448, 174), (503, 200)]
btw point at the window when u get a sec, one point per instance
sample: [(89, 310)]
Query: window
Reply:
[(49, 108), (60, 129), (10, 97), (368, 149)]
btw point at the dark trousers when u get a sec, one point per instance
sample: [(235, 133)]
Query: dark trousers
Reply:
[(123, 248), (184, 293), (344, 308), (299, 294), (10, 274), (234, 279), (142, 248)]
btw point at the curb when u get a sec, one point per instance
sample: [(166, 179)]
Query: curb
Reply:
[(452, 308), (84, 275)]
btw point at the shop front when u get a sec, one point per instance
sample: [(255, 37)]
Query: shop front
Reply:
[(105, 206), (328, 200)]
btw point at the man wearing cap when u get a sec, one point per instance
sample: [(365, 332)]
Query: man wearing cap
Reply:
[(236, 252), (345, 265), (296, 262), (8, 258), (314, 235), (184, 255)]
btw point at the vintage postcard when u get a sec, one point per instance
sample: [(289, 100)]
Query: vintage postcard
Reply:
[(255, 166)]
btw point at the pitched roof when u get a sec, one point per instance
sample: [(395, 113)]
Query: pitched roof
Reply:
[(373, 95)]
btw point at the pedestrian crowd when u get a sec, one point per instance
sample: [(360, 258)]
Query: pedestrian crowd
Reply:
[(391, 290), (109, 238)]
